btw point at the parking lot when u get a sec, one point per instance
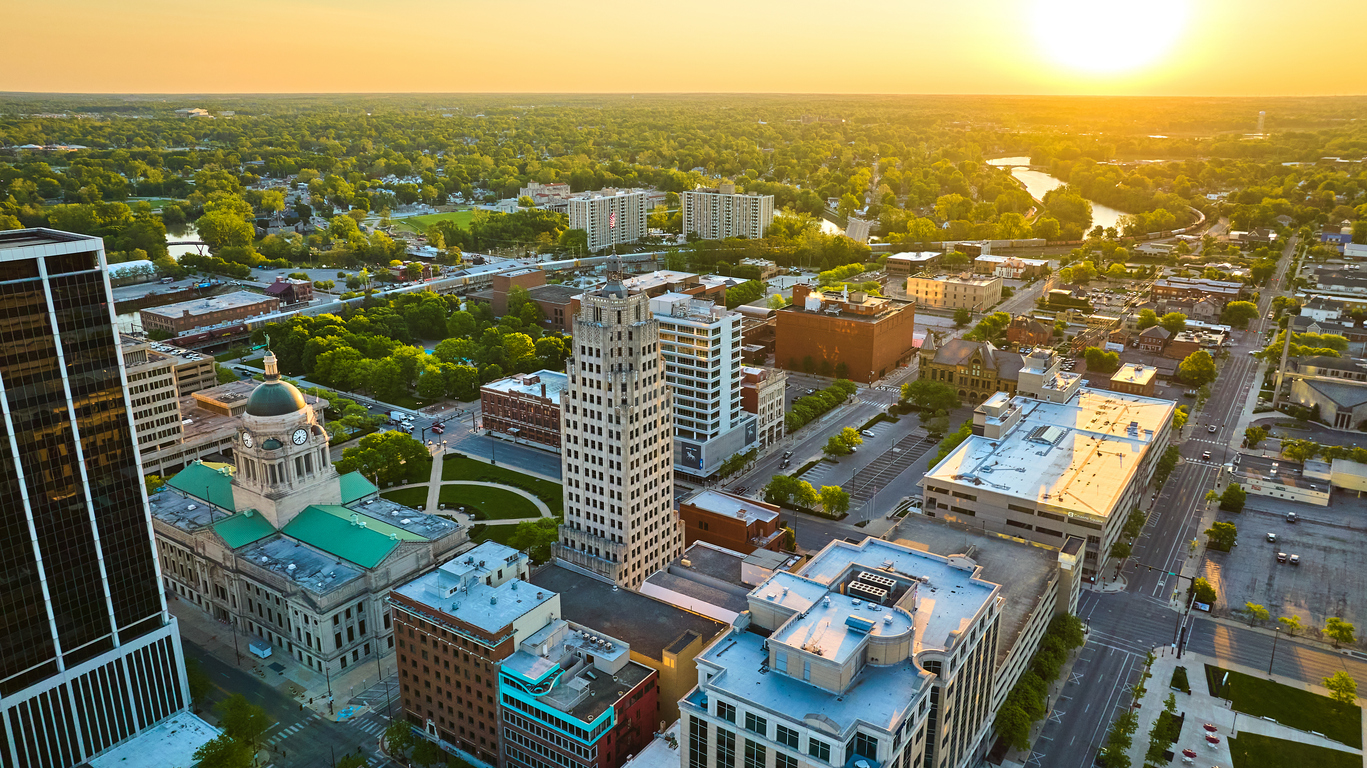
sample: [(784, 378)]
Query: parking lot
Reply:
[(1330, 579)]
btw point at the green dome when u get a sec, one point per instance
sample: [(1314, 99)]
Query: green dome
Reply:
[(275, 398)]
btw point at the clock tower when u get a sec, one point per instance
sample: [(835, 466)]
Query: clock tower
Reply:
[(282, 453)]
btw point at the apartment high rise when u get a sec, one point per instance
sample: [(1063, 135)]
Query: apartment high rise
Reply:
[(701, 343), (610, 217), (91, 657), (617, 452), (719, 213)]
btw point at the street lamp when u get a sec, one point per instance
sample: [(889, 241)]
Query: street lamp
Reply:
[(1276, 632)]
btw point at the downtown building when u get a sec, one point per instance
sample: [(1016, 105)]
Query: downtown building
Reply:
[(617, 449), (91, 656), (610, 217), (701, 342), (719, 213)]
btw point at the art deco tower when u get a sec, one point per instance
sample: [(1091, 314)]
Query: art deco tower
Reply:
[(617, 459), (89, 655)]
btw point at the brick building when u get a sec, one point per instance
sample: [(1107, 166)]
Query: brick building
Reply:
[(290, 291), (525, 406), (1219, 291), (976, 369), (949, 292), (761, 393), (850, 334), (906, 264), (186, 316), (1153, 339), (1028, 332), (1134, 379), (731, 521), (558, 303)]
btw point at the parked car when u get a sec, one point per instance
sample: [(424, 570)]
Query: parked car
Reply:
[(1295, 559), (866, 432), (1272, 537), (1281, 557)]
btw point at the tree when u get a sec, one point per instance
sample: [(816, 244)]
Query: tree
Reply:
[(937, 425), (834, 500), (1342, 688), (243, 720), (535, 537), (1173, 322), (1339, 631), (1255, 613), (1239, 313), (1201, 591), (198, 680), (1013, 725), (1102, 361), (398, 737), (930, 396), (1117, 271), (1121, 550), (952, 441), (789, 491), (1147, 319), (224, 752), (427, 752), (224, 374), (382, 456), (1197, 369), (1300, 450), (221, 229), (1221, 536), (1232, 500), (1292, 624), (835, 447), (1180, 416), (1254, 435), (352, 760), (962, 316)]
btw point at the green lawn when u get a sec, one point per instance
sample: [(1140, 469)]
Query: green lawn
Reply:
[(1289, 706), (499, 533), (421, 223), (484, 503), (419, 471), (461, 467), (1252, 750), (409, 497)]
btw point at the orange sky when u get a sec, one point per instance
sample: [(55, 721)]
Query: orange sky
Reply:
[(1218, 47)]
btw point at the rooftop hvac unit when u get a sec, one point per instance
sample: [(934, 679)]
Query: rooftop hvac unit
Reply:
[(869, 592), (877, 580)]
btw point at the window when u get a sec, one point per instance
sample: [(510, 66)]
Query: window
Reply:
[(754, 754), (786, 736), (726, 712), (757, 724), (819, 749), (1019, 508), (863, 745), (726, 748), (697, 743), (780, 658), (806, 669), (782, 760)]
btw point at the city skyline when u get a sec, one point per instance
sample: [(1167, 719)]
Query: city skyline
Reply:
[(1039, 47)]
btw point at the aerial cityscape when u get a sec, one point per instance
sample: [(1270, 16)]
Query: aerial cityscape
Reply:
[(988, 396)]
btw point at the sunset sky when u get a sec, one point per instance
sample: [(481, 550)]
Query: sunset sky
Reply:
[(1158, 47)]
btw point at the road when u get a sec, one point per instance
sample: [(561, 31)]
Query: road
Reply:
[(1125, 625), (299, 738)]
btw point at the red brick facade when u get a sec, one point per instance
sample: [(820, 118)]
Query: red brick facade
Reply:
[(875, 343)]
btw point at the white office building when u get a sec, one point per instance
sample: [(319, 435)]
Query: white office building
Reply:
[(616, 452), (719, 213), (610, 217)]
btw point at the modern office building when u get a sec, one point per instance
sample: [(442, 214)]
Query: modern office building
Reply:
[(870, 651), (718, 213), (461, 621), (185, 316), (610, 217), (91, 657), (849, 334), (617, 450), (761, 393), (524, 406), (956, 292), (1058, 460), (291, 555), (701, 342)]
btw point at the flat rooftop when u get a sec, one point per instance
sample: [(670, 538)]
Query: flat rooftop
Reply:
[(1075, 456), (659, 277), (958, 279), (731, 505), (648, 625), (197, 307), (531, 383), (169, 744), (711, 580), (1135, 373), (583, 696), (1022, 571), (311, 568), (457, 589), (38, 237), (915, 256)]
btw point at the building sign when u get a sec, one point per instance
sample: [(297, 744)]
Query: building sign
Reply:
[(692, 455)]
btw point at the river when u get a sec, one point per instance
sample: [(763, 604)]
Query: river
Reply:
[(129, 321), (1037, 183)]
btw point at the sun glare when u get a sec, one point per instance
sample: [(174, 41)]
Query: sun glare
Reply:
[(1108, 36)]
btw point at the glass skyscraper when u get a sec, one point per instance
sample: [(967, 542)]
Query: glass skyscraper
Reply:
[(89, 655)]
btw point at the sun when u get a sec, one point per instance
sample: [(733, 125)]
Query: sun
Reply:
[(1108, 36)]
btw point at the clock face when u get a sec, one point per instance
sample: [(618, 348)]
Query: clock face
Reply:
[(247, 439), (300, 435)]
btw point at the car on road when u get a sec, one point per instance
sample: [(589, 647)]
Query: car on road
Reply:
[(1292, 517), (1205, 455), (1236, 461), (866, 432), (1210, 428), (787, 454), (785, 463), (1272, 537)]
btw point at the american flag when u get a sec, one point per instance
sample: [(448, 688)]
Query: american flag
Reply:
[(612, 220)]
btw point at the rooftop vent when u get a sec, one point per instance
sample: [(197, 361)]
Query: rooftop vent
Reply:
[(192, 508)]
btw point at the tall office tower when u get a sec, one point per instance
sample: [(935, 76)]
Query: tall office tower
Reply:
[(90, 655), (610, 216), (617, 454), (718, 213)]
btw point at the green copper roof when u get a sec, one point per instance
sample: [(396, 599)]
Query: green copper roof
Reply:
[(337, 536), (373, 523), (356, 486), (243, 528), (275, 398), (206, 484)]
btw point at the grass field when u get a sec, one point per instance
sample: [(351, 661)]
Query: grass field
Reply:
[(421, 223), (460, 467), (484, 503), (499, 533), (1253, 750), (409, 497), (1289, 706)]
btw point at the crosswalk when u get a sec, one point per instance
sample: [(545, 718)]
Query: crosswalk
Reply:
[(371, 727)]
